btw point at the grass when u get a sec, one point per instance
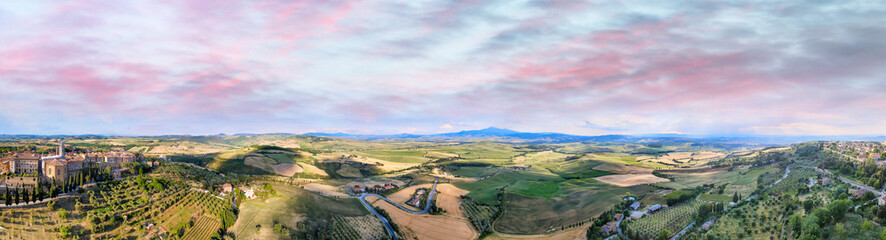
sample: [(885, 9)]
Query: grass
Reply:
[(400, 156), (715, 198), (292, 206), (621, 158), (576, 169), (280, 158), (736, 177), (485, 191), (545, 189), (481, 150), (475, 171), (576, 201)]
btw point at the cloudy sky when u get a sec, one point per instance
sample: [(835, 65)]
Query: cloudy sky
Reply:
[(211, 66)]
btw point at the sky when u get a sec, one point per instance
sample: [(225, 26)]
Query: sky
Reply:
[(385, 67)]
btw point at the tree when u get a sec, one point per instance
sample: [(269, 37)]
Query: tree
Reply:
[(64, 231), (810, 225), (735, 197), (50, 205), (867, 226), (883, 235), (664, 235), (17, 197), (63, 214), (840, 230), (7, 197)]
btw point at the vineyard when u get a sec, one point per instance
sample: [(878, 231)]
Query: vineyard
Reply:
[(137, 201), (481, 216), (672, 218), (203, 229)]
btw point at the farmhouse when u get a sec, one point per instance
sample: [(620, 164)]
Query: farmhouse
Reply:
[(227, 188), (881, 200), (858, 193), (248, 192), (618, 216), (654, 208), (635, 205), (610, 227)]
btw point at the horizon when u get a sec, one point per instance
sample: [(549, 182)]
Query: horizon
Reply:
[(347, 135), (143, 68)]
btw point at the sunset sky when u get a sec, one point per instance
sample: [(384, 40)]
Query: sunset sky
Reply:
[(386, 67)]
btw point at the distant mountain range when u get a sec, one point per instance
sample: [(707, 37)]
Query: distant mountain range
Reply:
[(550, 137), (508, 135)]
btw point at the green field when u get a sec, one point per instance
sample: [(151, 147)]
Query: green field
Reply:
[(737, 177), (294, 208), (485, 191), (400, 156), (576, 201), (280, 158), (626, 159), (715, 198), (473, 172), (545, 189), (481, 150)]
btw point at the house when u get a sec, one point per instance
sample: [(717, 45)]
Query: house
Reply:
[(248, 192), (610, 227), (875, 156), (858, 193), (881, 200), (654, 208), (227, 188), (618, 216), (824, 181), (706, 226), (635, 205), (862, 156), (413, 202)]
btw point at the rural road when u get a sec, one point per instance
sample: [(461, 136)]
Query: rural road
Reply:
[(384, 220), (675, 237), (787, 170)]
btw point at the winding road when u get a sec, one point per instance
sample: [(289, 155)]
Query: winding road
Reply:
[(385, 220)]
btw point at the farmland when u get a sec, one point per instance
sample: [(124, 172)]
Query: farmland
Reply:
[(305, 188), (671, 218)]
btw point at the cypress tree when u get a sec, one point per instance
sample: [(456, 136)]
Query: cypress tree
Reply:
[(17, 197), (7, 196), (26, 196), (52, 189)]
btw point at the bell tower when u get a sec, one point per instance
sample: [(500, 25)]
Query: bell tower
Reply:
[(61, 148)]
